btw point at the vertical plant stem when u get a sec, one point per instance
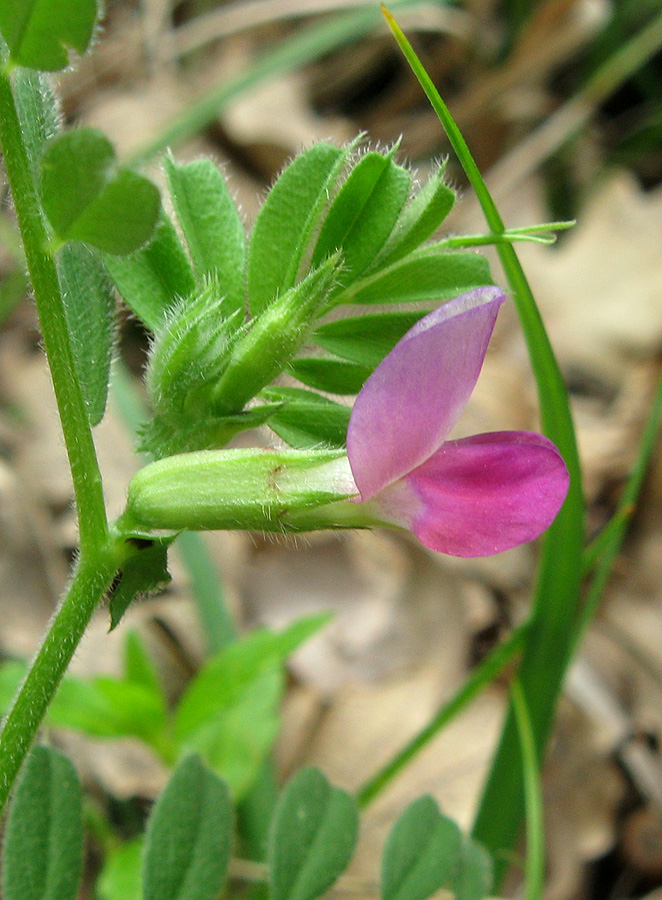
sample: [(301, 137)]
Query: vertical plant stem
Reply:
[(90, 580), (85, 472), (550, 640)]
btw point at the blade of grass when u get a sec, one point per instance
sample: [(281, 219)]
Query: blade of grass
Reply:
[(550, 640), (608, 544), (484, 674), (306, 45), (535, 830)]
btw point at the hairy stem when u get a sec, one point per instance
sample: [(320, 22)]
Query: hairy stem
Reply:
[(89, 583), (85, 473)]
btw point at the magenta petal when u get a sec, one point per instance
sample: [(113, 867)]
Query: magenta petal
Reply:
[(482, 494), (414, 397)]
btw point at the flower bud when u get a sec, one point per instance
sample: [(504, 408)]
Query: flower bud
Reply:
[(274, 337)]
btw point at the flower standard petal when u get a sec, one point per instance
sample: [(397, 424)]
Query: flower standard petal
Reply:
[(411, 401), (481, 495)]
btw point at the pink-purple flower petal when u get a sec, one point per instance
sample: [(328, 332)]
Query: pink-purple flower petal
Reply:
[(415, 396), (481, 495)]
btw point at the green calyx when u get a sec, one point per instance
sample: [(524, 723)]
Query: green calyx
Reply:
[(274, 337), (253, 489)]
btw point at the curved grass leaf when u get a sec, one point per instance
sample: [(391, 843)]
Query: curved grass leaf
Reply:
[(308, 419), (365, 339), (211, 225), (363, 214), (88, 198), (286, 221), (89, 304), (312, 838), (422, 853), (428, 275), (152, 279), (189, 836), (38, 32), (337, 376), (43, 844)]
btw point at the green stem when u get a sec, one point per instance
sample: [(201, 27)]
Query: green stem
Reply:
[(90, 581), (535, 831), (85, 472), (551, 638), (484, 674)]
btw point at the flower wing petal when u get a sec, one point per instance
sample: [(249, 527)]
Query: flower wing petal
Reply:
[(482, 494), (415, 396)]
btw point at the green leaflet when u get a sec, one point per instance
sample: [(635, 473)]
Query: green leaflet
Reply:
[(429, 274), (425, 851), (368, 338), (42, 853), (189, 836), (363, 214), (307, 419), (211, 225), (89, 304), (418, 221), (288, 217), (152, 279), (229, 713), (421, 853), (337, 376), (88, 198), (312, 838), (37, 32)]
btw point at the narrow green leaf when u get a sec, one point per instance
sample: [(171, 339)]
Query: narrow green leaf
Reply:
[(89, 304), (189, 836), (422, 853), (428, 275), (418, 220), (88, 198), (38, 32), (211, 224), (307, 419), (312, 839), (333, 375), (152, 279), (363, 214), (287, 220), (144, 573), (121, 876), (229, 713), (43, 845), (475, 877), (365, 339)]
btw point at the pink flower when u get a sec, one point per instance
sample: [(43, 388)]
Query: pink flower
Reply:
[(468, 497)]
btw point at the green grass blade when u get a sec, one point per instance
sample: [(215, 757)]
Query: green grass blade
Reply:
[(551, 637), (606, 547), (535, 831), (305, 45), (489, 669)]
